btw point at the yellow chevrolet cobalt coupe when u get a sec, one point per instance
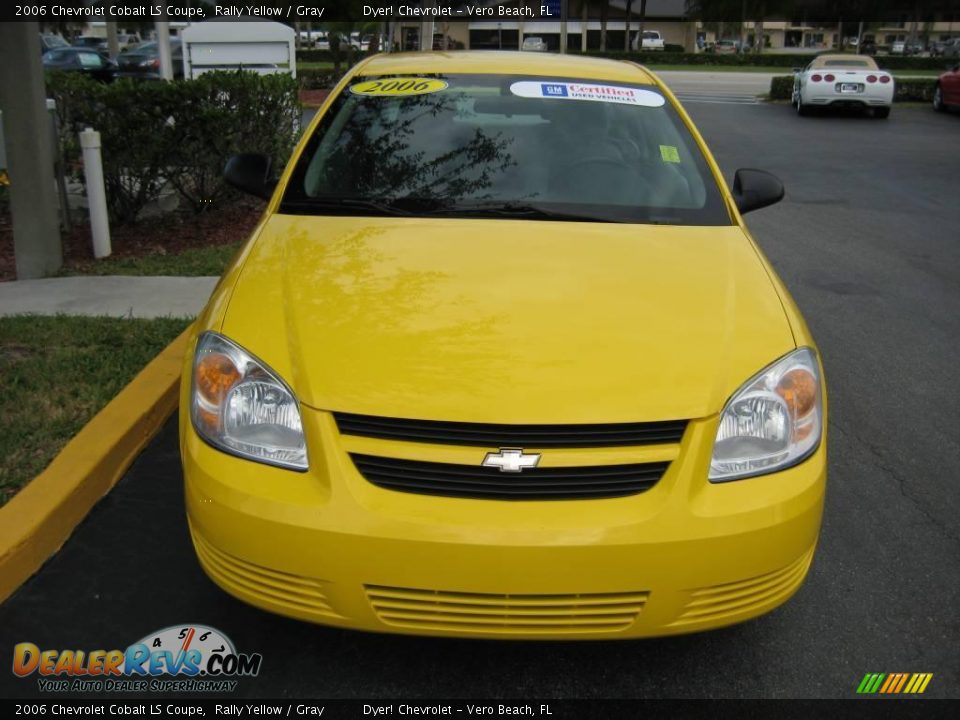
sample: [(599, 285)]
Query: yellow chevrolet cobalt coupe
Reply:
[(502, 360)]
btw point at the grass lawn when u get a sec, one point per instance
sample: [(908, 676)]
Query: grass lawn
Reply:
[(316, 65), (56, 373), (191, 262)]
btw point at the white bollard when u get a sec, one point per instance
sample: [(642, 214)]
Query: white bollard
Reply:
[(96, 193)]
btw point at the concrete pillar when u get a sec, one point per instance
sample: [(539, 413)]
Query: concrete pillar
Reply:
[(563, 26), (30, 156), (163, 46), (113, 43), (426, 28)]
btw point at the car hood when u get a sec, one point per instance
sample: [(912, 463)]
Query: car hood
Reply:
[(508, 321)]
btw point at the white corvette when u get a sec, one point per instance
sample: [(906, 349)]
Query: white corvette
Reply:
[(851, 80)]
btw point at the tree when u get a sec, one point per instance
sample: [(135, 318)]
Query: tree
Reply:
[(643, 19), (604, 12), (626, 39)]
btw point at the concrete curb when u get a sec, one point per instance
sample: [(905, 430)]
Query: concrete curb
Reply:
[(40, 518)]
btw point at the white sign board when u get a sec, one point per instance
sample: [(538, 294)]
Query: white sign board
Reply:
[(265, 47)]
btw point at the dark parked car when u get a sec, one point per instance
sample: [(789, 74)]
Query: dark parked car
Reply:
[(91, 43), (143, 61), (49, 41), (868, 47), (88, 62)]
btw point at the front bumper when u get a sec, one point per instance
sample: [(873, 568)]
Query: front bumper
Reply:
[(329, 547)]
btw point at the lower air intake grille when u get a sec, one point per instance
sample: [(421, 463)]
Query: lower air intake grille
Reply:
[(469, 481), (505, 614), (292, 594), (527, 436), (727, 601)]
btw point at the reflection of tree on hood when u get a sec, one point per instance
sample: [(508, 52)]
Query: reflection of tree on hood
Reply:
[(389, 168)]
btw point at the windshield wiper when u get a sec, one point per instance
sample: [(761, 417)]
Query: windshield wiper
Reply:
[(516, 210), (321, 206)]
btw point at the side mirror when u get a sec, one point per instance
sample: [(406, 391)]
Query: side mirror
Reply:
[(250, 172), (755, 189)]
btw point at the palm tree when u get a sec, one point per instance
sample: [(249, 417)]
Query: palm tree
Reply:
[(604, 11), (643, 19)]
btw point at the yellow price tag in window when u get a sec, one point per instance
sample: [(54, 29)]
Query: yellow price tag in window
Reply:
[(399, 86), (668, 153)]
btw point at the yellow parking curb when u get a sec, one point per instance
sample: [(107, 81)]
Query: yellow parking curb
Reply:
[(40, 518)]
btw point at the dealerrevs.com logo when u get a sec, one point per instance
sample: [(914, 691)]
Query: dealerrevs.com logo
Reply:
[(180, 658)]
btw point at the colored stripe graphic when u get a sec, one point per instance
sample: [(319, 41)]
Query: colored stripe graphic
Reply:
[(918, 683), (870, 683), (900, 682), (891, 681), (894, 683)]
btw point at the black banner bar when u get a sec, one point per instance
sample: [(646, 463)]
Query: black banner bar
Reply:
[(237, 708), (280, 10), (319, 11)]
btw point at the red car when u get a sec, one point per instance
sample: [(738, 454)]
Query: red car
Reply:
[(947, 92)]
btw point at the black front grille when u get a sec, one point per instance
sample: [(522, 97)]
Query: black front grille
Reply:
[(468, 481), (525, 436)]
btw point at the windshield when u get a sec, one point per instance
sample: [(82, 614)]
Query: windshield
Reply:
[(504, 146), (848, 63)]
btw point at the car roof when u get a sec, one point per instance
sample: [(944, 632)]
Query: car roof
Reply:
[(823, 61), (495, 62)]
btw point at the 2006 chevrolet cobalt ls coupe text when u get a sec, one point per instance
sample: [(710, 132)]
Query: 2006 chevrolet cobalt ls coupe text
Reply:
[(501, 360)]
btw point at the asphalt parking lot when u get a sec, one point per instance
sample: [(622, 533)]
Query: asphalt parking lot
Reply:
[(868, 241)]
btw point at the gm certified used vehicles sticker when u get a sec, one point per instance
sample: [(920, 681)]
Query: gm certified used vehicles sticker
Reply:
[(399, 86), (587, 91)]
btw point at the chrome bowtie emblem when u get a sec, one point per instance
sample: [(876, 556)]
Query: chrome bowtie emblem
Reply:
[(511, 460)]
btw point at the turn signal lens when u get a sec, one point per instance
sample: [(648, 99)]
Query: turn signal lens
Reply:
[(798, 388), (216, 374), (240, 406), (774, 421)]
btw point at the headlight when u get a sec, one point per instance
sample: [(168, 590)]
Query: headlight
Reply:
[(242, 407), (774, 421)]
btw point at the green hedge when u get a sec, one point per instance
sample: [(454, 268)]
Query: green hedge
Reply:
[(351, 57), (916, 89), (781, 87), (890, 62), (905, 90), (154, 133), (312, 79)]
